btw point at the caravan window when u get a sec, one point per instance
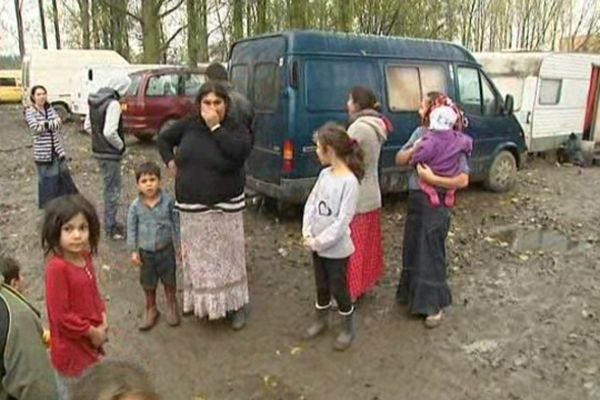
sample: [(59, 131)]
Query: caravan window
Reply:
[(550, 91), (266, 87), (11, 82), (407, 86), (328, 82), (163, 85), (239, 78)]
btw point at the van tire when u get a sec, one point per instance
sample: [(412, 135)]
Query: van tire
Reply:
[(502, 174), (62, 111)]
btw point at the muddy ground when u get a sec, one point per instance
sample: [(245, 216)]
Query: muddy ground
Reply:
[(524, 274)]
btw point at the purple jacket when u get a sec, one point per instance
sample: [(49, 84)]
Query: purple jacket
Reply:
[(441, 151)]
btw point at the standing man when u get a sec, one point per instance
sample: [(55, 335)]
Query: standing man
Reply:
[(25, 370), (105, 124), (240, 108)]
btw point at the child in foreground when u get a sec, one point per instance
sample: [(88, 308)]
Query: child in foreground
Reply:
[(76, 311), (326, 228), (152, 230)]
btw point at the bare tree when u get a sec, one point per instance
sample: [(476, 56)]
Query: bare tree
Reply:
[(56, 25), (43, 24), (20, 28)]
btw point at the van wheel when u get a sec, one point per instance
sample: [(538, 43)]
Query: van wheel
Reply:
[(144, 137), (166, 125), (62, 112), (281, 208), (502, 174)]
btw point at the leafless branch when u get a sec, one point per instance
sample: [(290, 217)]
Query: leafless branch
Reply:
[(122, 10), (170, 10)]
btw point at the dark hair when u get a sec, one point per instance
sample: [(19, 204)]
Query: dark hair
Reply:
[(114, 380), (216, 72), (364, 98), (336, 137), (33, 89), (10, 269), (60, 211), (218, 89), (431, 98), (147, 168)]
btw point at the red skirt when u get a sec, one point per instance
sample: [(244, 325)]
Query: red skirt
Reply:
[(366, 264)]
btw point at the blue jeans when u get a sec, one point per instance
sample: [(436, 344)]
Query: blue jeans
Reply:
[(111, 174), (63, 386), (54, 180)]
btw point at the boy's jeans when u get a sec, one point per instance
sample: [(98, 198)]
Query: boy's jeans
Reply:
[(111, 173)]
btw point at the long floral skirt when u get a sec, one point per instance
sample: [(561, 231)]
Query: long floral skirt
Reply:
[(214, 263)]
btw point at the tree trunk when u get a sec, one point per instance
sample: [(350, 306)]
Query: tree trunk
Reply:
[(151, 35), (84, 12), (43, 24), (203, 31), (297, 12), (119, 27), (192, 39), (95, 15), (238, 20), (344, 20), (261, 16), (249, 23), (56, 25), (20, 28)]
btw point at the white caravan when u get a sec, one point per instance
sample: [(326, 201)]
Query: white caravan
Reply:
[(550, 91), (57, 70), (94, 76)]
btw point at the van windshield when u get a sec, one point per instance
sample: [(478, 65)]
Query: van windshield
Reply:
[(10, 82)]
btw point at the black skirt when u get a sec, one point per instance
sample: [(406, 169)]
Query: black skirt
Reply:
[(423, 282)]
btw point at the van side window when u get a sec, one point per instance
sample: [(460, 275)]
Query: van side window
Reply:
[(406, 86), (162, 85), (192, 83), (239, 78), (328, 82), (469, 90), (490, 101), (266, 87), (11, 82), (550, 90), (132, 90)]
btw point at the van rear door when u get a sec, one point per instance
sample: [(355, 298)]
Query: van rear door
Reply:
[(257, 71)]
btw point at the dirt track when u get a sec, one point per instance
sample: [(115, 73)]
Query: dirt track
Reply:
[(524, 325)]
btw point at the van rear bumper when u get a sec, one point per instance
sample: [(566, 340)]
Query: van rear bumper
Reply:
[(294, 191)]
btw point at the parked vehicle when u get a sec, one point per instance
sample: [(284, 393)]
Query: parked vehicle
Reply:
[(158, 97), (57, 71), (94, 76), (299, 80), (549, 89), (10, 86)]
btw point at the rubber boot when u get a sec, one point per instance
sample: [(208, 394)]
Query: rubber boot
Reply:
[(238, 318), (151, 315), (346, 336), (320, 324), (172, 309)]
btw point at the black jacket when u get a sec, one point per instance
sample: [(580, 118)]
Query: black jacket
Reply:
[(98, 103), (210, 165)]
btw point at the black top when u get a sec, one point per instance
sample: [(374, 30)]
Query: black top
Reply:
[(210, 165)]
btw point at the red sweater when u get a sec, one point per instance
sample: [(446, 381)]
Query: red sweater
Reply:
[(74, 304)]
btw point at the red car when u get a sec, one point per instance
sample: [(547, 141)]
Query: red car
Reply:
[(158, 97)]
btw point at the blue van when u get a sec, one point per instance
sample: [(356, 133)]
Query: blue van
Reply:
[(298, 80)]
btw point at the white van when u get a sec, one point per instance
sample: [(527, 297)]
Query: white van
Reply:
[(94, 76), (57, 70), (550, 91)]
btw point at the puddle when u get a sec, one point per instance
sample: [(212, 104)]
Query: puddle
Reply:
[(538, 240)]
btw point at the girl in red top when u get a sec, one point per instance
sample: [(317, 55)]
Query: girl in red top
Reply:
[(76, 311)]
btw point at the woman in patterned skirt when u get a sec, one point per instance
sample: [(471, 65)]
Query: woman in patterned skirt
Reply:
[(370, 129), (208, 166)]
